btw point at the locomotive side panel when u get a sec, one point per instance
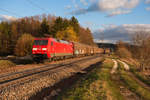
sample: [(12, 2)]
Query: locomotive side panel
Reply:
[(61, 48), (49, 47)]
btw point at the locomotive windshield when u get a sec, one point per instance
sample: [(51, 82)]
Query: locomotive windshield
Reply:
[(40, 42)]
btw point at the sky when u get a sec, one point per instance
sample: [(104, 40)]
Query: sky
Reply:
[(111, 20)]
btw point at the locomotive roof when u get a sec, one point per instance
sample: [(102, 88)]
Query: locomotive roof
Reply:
[(54, 39)]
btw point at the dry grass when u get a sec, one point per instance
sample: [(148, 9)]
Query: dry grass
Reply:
[(6, 64), (133, 85), (97, 85), (123, 52)]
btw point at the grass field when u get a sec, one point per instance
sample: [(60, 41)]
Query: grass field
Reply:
[(140, 76), (97, 85), (133, 85)]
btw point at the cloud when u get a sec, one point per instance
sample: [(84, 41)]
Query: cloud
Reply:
[(106, 5), (7, 18), (68, 7), (89, 24), (75, 4), (147, 1), (78, 12), (118, 12), (84, 2), (103, 41), (112, 8), (148, 8), (92, 1), (113, 33)]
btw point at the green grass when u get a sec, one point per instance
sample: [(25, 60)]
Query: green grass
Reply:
[(96, 85), (113, 56), (140, 76), (111, 85), (133, 85), (6, 64)]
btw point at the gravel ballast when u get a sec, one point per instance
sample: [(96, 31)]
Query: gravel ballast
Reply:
[(28, 89)]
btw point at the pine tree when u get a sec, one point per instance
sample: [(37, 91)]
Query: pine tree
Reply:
[(44, 28), (5, 38), (58, 26), (75, 24)]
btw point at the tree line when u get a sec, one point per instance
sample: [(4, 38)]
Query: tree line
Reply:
[(16, 36), (138, 49)]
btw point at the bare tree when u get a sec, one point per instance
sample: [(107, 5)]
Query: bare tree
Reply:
[(123, 50), (141, 49)]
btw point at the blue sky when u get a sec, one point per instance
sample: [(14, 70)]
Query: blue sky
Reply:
[(94, 14)]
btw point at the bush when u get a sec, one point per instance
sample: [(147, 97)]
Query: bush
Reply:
[(123, 53), (24, 45), (6, 64)]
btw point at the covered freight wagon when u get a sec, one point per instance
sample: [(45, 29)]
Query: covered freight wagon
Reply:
[(83, 49)]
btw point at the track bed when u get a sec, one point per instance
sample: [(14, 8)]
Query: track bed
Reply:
[(11, 84)]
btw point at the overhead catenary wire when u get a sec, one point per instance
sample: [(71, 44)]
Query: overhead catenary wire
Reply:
[(10, 12), (37, 6)]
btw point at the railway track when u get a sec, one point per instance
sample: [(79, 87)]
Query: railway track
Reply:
[(21, 77)]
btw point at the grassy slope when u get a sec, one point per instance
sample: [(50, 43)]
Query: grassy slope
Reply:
[(97, 85), (133, 85), (140, 76), (145, 79)]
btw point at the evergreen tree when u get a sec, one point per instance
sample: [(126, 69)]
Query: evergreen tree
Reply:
[(66, 23), (89, 36), (58, 26), (44, 27), (75, 24), (5, 38)]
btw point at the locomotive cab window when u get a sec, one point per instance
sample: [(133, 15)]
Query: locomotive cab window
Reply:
[(40, 42)]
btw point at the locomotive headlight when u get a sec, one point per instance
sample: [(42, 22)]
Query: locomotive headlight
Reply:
[(34, 48), (44, 48)]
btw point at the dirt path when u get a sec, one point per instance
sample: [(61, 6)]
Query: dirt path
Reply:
[(114, 67), (129, 95), (126, 66)]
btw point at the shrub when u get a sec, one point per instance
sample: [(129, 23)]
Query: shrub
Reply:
[(6, 64), (24, 45), (123, 53)]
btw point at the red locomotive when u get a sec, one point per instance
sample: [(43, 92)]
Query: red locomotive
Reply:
[(51, 48)]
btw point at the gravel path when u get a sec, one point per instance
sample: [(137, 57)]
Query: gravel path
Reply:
[(126, 66), (114, 67)]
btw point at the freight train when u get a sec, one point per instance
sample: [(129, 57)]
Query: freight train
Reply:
[(51, 48)]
